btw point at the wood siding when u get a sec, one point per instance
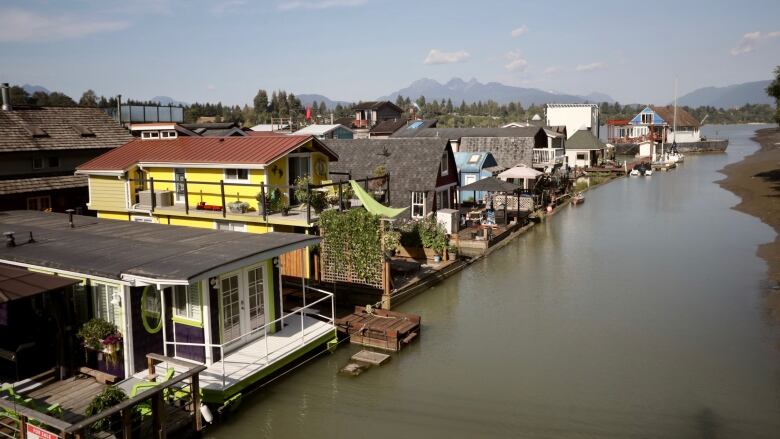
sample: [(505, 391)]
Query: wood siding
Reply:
[(107, 193)]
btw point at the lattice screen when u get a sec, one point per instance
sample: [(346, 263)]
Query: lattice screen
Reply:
[(330, 273)]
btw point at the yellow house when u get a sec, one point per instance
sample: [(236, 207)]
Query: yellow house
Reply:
[(209, 182)]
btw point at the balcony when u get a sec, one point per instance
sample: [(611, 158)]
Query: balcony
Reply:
[(544, 157)]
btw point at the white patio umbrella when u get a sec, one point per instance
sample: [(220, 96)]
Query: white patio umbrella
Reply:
[(521, 171)]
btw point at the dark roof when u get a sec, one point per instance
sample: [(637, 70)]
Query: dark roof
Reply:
[(210, 125), (19, 283), (249, 150), (36, 184), (50, 128), (214, 129), (375, 105), (413, 164), (388, 126), (684, 119), (347, 121), (491, 184), (457, 133), (113, 248), (584, 139)]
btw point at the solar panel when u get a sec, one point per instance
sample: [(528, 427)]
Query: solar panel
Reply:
[(415, 125)]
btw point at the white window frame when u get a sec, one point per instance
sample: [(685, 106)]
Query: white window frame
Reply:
[(192, 308), (233, 226), (417, 202), (236, 179), (101, 300), (150, 135), (444, 166), (168, 134)]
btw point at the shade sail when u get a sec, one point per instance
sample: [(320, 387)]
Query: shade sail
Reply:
[(374, 206), (520, 172), (491, 184), (18, 283)]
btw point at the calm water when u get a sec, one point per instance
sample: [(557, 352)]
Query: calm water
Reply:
[(636, 315)]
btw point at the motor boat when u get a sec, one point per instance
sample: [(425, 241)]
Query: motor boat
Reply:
[(578, 198)]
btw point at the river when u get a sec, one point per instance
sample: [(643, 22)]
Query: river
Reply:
[(638, 314)]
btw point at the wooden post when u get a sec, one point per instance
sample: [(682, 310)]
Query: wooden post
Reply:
[(127, 423), (150, 366), (308, 204), (186, 198), (195, 389), (23, 427), (386, 286), (222, 193), (151, 189), (158, 416)]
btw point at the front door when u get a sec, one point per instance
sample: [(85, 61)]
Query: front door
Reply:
[(243, 304), (179, 176), (298, 167)]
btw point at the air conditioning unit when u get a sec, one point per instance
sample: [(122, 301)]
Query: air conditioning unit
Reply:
[(449, 218), (161, 198)]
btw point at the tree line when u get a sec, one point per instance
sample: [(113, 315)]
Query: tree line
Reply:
[(281, 104)]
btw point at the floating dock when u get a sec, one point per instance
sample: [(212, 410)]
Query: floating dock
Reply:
[(389, 330)]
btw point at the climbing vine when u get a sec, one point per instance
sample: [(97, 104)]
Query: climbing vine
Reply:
[(353, 238)]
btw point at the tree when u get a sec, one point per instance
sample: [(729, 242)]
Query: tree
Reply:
[(773, 90), (323, 109), (399, 101), (261, 102), (57, 99), (19, 96), (88, 99)]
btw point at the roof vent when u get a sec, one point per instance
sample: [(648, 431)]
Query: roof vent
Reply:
[(36, 131), (5, 90), (9, 239), (83, 131)]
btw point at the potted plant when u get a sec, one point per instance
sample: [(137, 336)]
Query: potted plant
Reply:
[(378, 184), (347, 194), (109, 397), (95, 331), (262, 203), (238, 206), (391, 241)]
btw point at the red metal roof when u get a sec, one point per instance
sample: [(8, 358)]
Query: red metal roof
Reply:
[(217, 150)]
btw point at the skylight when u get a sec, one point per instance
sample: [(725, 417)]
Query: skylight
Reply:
[(83, 131), (474, 158), (36, 131), (415, 125)]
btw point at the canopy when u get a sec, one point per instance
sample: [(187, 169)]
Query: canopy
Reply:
[(372, 205), (18, 283), (491, 184), (520, 171)]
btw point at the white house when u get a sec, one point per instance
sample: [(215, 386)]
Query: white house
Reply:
[(574, 117)]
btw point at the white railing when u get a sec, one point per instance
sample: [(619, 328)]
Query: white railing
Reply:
[(548, 156), (264, 329)]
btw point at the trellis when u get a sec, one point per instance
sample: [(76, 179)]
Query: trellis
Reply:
[(346, 274)]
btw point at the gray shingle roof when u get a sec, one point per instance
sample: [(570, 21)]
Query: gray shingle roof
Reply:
[(457, 133), (37, 184), (61, 126), (584, 139), (99, 247), (413, 164), (374, 105), (388, 126)]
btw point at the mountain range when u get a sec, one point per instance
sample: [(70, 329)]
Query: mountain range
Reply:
[(470, 91), (730, 96)]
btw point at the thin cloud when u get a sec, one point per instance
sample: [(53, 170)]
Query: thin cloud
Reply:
[(516, 61), (23, 26), (319, 4), (520, 31), (590, 67), (211, 87), (751, 40), (227, 6), (552, 70), (436, 56)]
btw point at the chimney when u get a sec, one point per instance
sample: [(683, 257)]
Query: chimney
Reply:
[(5, 90)]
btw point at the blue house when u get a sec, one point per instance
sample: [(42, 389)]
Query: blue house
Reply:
[(473, 166)]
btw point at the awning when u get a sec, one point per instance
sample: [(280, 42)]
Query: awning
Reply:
[(520, 172), (491, 184), (18, 283), (374, 206)]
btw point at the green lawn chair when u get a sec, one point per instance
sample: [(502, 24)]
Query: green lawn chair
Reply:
[(145, 408)]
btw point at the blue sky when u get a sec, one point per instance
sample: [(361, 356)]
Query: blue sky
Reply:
[(361, 49)]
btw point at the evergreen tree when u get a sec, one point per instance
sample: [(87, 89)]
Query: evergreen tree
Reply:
[(773, 90), (399, 100), (19, 96), (261, 103)]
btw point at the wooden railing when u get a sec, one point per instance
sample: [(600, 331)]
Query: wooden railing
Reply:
[(548, 156)]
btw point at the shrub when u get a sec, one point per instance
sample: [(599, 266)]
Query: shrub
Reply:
[(109, 397)]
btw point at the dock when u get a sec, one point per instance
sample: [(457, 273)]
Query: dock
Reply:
[(389, 330)]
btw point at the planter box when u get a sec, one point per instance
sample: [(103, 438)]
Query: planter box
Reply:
[(416, 252), (237, 208)]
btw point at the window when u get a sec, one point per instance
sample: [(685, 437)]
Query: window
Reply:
[(647, 118), (231, 226), (54, 162), (237, 175), (150, 134), (39, 203), (37, 163), (168, 134), (107, 299), (186, 302), (418, 204), (443, 199), (474, 159), (580, 156), (445, 164)]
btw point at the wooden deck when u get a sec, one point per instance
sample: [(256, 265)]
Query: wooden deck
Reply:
[(72, 394), (383, 329)]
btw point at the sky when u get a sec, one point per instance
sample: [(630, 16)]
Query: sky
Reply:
[(225, 50)]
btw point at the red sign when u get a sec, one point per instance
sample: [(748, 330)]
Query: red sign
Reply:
[(34, 432)]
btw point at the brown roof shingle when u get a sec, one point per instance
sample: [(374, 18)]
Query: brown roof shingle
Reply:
[(684, 119), (37, 184), (62, 127)]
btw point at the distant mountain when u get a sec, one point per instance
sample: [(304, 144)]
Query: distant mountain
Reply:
[(30, 89), (167, 100), (308, 99), (470, 91), (735, 95)]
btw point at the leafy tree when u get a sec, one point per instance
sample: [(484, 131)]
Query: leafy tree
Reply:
[(261, 103), (773, 90), (19, 96), (88, 99)]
